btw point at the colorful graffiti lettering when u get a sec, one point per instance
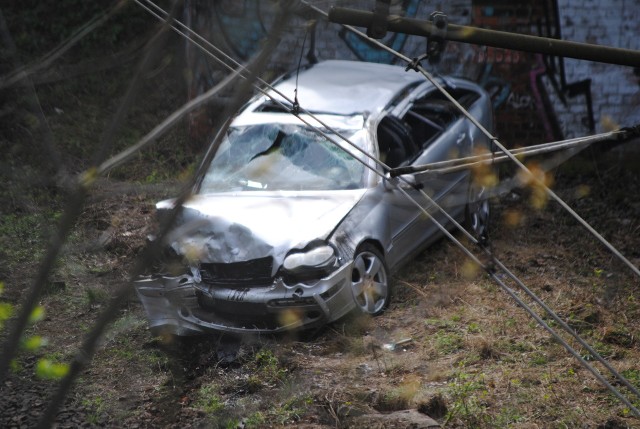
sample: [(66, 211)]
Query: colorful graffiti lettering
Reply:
[(497, 87), (241, 25), (524, 87), (517, 80)]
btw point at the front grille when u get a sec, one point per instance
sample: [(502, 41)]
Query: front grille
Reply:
[(245, 273), (254, 315)]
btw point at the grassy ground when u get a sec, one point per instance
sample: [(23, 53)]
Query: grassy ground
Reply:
[(473, 357)]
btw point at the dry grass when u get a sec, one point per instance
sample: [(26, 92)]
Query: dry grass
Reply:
[(474, 359)]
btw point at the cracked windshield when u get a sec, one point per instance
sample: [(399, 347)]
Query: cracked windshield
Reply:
[(283, 157)]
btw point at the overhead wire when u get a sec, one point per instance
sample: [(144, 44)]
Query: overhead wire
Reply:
[(457, 164), (433, 204), (258, 62), (418, 67), (563, 324), (306, 122), (511, 275), (536, 180)]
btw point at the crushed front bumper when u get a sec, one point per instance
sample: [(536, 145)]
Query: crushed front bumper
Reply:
[(183, 306)]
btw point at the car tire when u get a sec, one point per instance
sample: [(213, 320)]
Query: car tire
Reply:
[(478, 212), (370, 281)]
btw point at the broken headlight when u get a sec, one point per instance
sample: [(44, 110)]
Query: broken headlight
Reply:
[(319, 260)]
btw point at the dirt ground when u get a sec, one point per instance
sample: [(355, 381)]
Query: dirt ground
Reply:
[(466, 354)]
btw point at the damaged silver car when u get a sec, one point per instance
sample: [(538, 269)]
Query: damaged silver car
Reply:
[(292, 227)]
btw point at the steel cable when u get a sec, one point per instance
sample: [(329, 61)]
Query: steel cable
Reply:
[(434, 205), (456, 164), (475, 241), (89, 344)]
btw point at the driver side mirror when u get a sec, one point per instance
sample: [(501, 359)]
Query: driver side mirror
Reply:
[(407, 182)]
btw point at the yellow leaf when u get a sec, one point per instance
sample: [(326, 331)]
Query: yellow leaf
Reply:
[(6, 311), (88, 177), (34, 343), (49, 370), (37, 314)]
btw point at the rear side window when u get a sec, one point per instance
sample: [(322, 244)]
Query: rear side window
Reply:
[(433, 113)]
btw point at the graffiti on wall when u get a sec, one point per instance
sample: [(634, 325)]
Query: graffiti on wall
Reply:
[(523, 85), (239, 26), (367, 51)]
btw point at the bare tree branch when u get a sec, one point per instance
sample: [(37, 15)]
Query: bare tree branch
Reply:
[(90, 343)]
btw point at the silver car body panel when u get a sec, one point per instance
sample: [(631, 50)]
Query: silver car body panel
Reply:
[(354, 88), (234, 227), (236, 242)]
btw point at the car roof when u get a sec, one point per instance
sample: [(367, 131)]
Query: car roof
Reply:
[(343, 87)]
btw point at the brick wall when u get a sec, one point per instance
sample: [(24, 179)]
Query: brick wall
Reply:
[(615, 89), (536, 98)]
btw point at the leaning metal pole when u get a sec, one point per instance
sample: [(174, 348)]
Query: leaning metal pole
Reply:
[(481, 36)]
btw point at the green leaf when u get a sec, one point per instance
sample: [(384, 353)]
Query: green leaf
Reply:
[(15, 366), (6, 311), (49, 370), (35, 342), (37, 314)]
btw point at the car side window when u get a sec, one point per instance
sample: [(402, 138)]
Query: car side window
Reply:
[(395, 141), (433, 113)]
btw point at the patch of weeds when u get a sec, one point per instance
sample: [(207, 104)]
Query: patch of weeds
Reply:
[(467, 405), (448, 342), (22, 237), (607, 351), (255, 420), (157, 359), (510, 322), (633, 375), (484, 349), (469, 358), (539, 358), (288, 412), (348, 343), (473, 327), (154, 177), (266, 370), (506, 417), (518, 346), (208, 399), (124, 326), (398, 398), (95, 408), (95, 296), (391, 401), (571, 418), (440, 324)]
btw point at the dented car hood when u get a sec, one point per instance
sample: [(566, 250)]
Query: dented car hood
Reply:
[(241, 226)]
